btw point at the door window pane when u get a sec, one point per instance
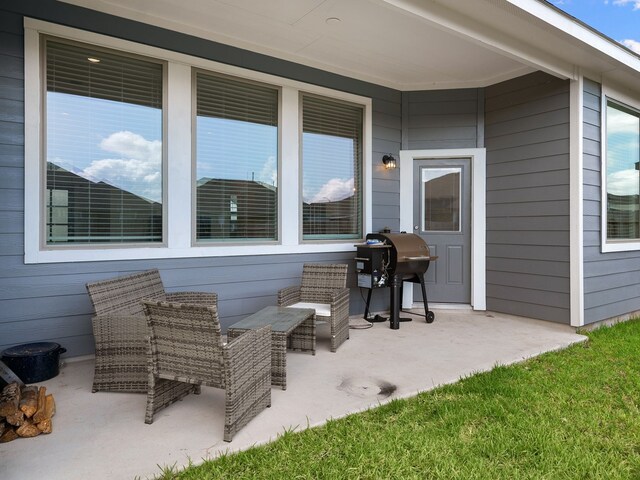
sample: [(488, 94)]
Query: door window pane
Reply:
[(623, 180), (104, 126), (331, 169), (236, 159), (441, 199)]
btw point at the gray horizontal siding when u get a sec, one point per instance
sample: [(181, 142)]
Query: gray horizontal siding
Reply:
[(441, 119), (611, 280), (48, 301), (527, 141)]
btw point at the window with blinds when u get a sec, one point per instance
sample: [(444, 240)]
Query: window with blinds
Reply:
[(331, 142), (236, 159), (623, 173), (103, 150)]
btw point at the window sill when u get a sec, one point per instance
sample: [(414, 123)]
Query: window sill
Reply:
[(630, 246), (149, 253)]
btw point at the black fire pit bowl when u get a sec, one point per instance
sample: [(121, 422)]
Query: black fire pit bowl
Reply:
[(34, 362)]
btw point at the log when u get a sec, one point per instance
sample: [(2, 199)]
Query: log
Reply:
[(42, 396), (8, 436), (3, 427), (47, 412), (10, 399), (28, 430), (16, 419), (29, 401), (45, 426)]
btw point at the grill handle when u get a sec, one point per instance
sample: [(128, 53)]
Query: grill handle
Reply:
[(426, 257)]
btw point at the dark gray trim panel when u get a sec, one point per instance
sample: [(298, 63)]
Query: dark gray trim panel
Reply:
[(527, 141), (441, 119)]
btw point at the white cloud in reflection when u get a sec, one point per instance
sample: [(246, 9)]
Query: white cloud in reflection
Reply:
[(131, 145), (334, 190), (619, 122), (139, 170), (624, 182), (269, 173)]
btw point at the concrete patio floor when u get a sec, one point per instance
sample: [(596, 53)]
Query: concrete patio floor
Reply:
[(103, 435)]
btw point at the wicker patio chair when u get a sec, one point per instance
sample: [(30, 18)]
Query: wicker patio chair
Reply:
[(120, 330), (186, 347), (323, 289)]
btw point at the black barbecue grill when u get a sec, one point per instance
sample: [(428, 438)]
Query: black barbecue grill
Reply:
[(388, 260)]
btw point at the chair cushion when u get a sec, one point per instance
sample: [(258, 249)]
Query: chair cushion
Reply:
[(322, 309)]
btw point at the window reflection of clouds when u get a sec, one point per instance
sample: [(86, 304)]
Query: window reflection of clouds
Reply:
[(329, 170), (107, 141), (623, 151), (236, 150)]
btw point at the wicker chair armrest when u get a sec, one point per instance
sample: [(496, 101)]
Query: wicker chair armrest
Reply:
[(288, 296), (339, 300), (339, 295), (193, 298), (248, 355), (250, 342), (247, 375)]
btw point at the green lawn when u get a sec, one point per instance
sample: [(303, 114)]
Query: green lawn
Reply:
[(573, 414)]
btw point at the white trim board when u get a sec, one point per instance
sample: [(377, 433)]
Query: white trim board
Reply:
[(576, 202), (477, 157)]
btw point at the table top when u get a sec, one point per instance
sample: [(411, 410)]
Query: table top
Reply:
[(281, 319)]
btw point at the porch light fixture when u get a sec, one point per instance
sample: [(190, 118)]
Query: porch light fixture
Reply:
[(389, 162)]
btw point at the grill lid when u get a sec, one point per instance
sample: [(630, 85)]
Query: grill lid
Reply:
[(407, 246), (409, 254)]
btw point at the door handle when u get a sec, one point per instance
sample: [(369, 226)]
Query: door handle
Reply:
[(416, 227)]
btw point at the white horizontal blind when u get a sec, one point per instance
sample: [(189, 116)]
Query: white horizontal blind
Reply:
[(332, 139), (103, 146), (236, 159)]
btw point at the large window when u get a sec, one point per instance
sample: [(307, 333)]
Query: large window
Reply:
[(103, 150), (622, 172), (236, 159), (130, 146), (331, 169)]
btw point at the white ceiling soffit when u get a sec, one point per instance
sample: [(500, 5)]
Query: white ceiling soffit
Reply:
[(402, 44), (551, 38)]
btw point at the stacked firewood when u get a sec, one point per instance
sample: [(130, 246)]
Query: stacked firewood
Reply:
[(25, 412)]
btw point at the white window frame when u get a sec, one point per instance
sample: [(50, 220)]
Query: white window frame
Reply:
[(178, 139), (195, 242), (300, 199), (616, 96), (478, 160)]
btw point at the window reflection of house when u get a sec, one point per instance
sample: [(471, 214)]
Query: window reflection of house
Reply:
[(82, 211), (442, 202), (236, 209), (340, 217), (623, 216)]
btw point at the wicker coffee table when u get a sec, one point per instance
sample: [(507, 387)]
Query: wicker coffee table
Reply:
[(290, 327)]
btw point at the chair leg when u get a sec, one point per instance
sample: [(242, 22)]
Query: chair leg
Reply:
[(339, 331), (163, 393), (148, 418)]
